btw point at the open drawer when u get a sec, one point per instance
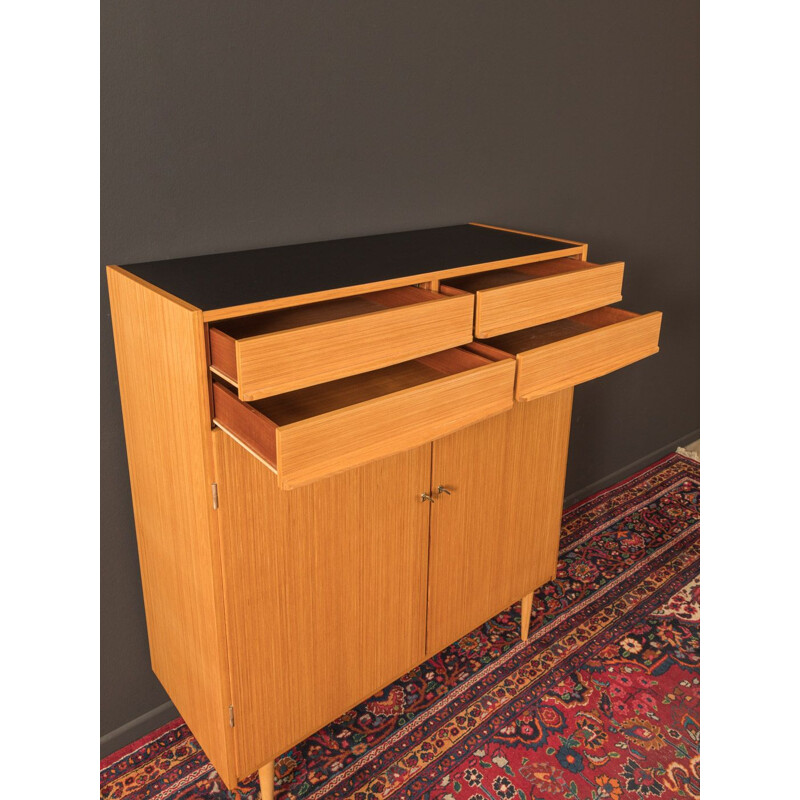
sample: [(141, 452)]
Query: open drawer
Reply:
[(310, 433), (532, 294), (279, 351), (570, 351)]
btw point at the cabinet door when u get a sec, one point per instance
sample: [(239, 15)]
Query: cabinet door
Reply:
[(324, 591), (494, 538)]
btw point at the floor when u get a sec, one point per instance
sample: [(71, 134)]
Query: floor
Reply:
[(692, 450)]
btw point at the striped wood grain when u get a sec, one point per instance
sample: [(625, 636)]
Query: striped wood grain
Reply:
[(533, 294), (347, 423), (160, 348), (325, 591), (571, 351), (494, 538), (403, 324)]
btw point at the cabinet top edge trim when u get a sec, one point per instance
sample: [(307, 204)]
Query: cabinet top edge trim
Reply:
[(116, 269), (228, 285), (217, 314)]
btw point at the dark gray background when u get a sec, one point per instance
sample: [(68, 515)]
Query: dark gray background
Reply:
[(237, 125)]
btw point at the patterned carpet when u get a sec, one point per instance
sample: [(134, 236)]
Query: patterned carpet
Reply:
[(602, 701)]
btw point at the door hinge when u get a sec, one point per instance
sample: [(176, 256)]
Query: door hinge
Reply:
[(214, 496), (230, 715)]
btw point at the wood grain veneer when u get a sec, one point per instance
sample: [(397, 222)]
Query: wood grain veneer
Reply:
[(326, 429), (249, 426), (160, 348), (570, 351), (266, 781), (494, 539), (325, 591), (526, 604), (277, 352), (533, 294)]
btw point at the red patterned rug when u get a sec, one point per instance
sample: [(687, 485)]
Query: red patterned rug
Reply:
[(602, 701)]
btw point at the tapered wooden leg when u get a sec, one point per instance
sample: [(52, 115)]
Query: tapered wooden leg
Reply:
[(527, 604), (266, 777)]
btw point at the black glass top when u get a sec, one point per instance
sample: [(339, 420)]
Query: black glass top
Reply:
[(250, 276)]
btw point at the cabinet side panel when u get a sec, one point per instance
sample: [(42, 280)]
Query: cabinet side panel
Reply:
[(161, 364), (325, 591), (495, 538)]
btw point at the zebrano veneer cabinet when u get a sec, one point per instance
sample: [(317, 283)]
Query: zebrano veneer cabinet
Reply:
[(344, 456)]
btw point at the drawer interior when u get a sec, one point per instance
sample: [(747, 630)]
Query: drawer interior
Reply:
[(541, 335), (327, 311), (522, 273), (223, 336), (256, 422)]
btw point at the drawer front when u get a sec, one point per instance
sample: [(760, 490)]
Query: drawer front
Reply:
[(302, 440), (324, 445), (280, 362), (542, 299), (587, 355)]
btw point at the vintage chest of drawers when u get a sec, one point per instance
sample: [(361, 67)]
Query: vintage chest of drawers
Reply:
[(344, 456)]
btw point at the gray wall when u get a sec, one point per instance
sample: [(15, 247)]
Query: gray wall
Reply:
[(235, 125)]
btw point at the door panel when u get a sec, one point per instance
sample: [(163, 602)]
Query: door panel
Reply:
[(494, 538), (325, 591)]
